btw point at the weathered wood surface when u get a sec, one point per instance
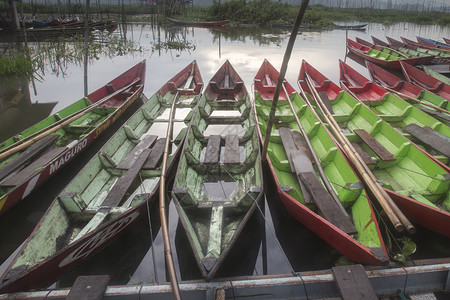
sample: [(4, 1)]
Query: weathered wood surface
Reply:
[(428, 136), (128, 161), (436, 114), (29, 154), (122, 185), (353, 283), (25, 174), (379, 149), (88, 287), (364, 155), (156, 155), (324, 97), (212, 153), (231, 155)]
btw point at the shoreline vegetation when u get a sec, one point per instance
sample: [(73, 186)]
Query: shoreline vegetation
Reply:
[(239, 12)]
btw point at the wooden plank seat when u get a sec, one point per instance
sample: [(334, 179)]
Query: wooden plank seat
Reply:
[(120, 188), (364, 155), (231, 154), (155, 156), (25, 157), (212, 153), (436, 114), (131, 157), (25, 174), (312, 188), (353, 283), (430, 137), (91, 287), (376, 147)]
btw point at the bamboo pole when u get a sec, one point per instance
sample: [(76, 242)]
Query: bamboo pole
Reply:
[(281, 75), (402, 95), (393, 212), (162, 206), (61, 123), (316, 159)]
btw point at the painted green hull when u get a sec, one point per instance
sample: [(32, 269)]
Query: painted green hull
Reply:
[(411, 174), (216, 197), (366, 246), (88, 213)]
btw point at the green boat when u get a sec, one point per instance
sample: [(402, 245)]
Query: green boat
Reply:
[(113, 190), (419, 186), (219, 178), (431, 134), (437, 75), (340, 212), (30, 158)]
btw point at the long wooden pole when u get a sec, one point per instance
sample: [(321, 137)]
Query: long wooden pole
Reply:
[(57, 125), (394, 214), (281, 75), (162, 206), (316, 159), (402, 95)]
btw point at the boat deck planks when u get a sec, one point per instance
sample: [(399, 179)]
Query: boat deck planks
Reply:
[(379, 149), (36, 149), (324, 97), (231, 155), (212, 150), (156, 155), (302, 166), (353, 283), (128, 161), (25, 174), (89, 287), (436, 114), (122, 185), (428, 136)]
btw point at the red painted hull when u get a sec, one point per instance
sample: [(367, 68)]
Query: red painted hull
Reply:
[(423, 80), (39, 177), (361, 51)]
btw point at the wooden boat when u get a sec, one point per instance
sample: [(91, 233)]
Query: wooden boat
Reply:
[(423, 80), (426, 46), (432, 43), (436, 74), (419, 186), (195, 23), (383, 49), (58, 139), (350, 27), (355, 232), (216, 193), (447, 41), (404, 117), (109, 194), (407, 90), (389, 61)]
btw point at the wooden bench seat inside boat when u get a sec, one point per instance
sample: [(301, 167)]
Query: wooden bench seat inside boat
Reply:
[(310, 185), (353, 283), (231, 152), (430, 137), (374, 145), (128, 161)]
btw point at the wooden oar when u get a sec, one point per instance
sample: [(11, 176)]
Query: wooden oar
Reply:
[(394, 214), (316, 159), (57, 125), (402, 95)]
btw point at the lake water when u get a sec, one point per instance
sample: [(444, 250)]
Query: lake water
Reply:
[(272, 243)]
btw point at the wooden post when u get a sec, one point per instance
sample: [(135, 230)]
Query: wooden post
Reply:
[(282, 73), (15, 16)]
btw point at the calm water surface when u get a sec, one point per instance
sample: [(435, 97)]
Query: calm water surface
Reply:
[(272, 243)]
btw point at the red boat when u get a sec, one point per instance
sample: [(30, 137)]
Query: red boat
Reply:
[(391, 81), (428, 82), (384, 59), (54, 145), (432, 43), (447, 41), (377, 41), (398, 113), (110, 194), (289, 187), (412, 189)]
